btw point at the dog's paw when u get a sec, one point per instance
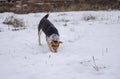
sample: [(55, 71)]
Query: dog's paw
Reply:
[(39, 44)]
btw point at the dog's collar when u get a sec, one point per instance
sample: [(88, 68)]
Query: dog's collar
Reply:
[(54, 37)]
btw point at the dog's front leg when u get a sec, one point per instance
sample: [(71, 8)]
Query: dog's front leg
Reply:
[(48, 42)]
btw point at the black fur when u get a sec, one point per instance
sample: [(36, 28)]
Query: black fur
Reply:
[(47, 27)]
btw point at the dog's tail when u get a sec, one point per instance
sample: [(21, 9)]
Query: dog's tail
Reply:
[(46, 16)]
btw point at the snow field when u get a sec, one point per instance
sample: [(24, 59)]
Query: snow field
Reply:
[(87, 44)]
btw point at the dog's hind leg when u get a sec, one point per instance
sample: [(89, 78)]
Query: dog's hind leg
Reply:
[(39, 35)]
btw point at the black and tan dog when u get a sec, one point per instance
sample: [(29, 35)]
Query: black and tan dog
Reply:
[(52, 35)]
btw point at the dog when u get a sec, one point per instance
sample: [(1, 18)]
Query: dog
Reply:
[(52, 35)]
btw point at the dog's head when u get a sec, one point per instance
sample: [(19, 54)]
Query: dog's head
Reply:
[(54, 45)]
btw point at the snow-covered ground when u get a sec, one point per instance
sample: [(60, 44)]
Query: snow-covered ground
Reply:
[(90, 49)]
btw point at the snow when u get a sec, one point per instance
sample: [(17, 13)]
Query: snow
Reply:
[(87, 45)]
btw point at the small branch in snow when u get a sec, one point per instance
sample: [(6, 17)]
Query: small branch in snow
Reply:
[(95, 65)]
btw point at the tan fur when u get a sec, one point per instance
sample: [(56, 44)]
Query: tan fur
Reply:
[(39, 40), (55, 45)]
